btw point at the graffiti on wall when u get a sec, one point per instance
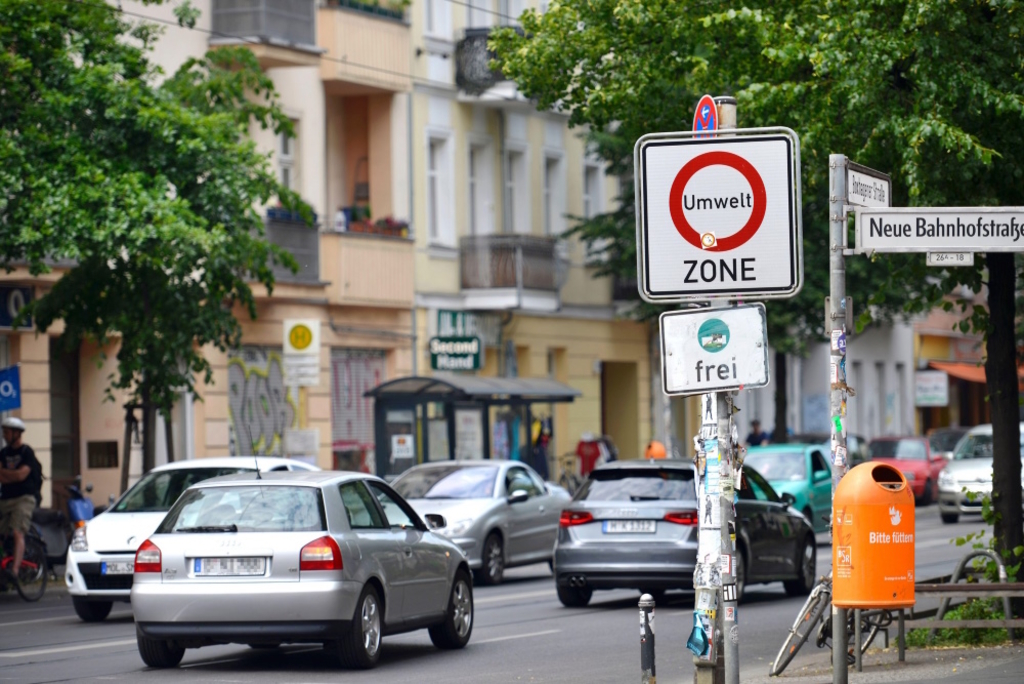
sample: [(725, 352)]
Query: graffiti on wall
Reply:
[(260, 405)]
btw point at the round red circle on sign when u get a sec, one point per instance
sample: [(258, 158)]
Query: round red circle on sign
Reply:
[(759, 199)]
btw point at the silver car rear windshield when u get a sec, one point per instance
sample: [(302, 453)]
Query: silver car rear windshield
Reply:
[(638, 484), (247, 508), (158, 490), (448, 482)]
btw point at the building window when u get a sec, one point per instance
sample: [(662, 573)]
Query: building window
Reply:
[(554, 196), (439, 221), (480, 13), (591, 191), (516, 193), (474, 189), (101, 454), (438, 19), (286, 157)]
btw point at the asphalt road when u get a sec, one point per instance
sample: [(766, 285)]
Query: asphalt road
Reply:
[(521, 634)]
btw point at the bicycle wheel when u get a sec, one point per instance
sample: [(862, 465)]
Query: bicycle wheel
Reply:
[(32, 576), (806, 622)]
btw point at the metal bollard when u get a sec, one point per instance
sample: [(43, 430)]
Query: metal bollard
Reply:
[(858, 634), (647, 673), (901, 639)]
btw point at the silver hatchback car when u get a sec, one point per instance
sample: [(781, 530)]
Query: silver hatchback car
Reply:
[(335, 558)]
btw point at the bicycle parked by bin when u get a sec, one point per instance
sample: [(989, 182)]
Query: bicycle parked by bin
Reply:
[(816, 618)]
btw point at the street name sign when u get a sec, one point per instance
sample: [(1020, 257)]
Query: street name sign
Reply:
[(940, 229), (866, 187), (714, 350), (718, 217)]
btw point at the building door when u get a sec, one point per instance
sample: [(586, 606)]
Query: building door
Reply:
[(65, 463), (620, 406)]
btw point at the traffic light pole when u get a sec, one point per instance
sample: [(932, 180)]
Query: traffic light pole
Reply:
[(837, 374)]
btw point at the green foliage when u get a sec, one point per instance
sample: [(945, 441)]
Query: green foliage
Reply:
[(975, 539), (929, 91), (151, 192), (975, 609)]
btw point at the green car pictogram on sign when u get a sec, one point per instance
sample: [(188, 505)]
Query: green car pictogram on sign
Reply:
[(713, 335)]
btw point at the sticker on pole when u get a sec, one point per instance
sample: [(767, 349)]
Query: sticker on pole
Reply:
[(711, 350), (717, 217)]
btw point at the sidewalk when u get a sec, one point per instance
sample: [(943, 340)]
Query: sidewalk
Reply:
[(983, 665)]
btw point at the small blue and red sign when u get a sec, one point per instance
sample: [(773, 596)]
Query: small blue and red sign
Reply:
[(705, 119)]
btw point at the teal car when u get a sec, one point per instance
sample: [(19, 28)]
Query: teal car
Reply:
[(803, 472)]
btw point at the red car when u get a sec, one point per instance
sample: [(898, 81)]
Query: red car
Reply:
[(914, 458)]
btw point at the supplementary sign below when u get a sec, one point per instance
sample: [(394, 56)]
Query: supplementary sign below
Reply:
[(950, 259), (717, 217), (714, 349), (941, 229)]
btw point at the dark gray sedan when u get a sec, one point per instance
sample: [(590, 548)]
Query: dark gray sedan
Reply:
[(333, 558), (633, 525)]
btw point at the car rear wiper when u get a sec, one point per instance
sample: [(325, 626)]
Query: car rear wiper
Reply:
[(643, 497), (209, 528)]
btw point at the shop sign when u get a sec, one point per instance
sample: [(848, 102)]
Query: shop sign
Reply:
[(469, 324), (931, 388), (456, 353), (13, 300)]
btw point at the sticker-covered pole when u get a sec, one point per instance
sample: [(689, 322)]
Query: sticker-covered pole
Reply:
[(704, 640), (837, 375)]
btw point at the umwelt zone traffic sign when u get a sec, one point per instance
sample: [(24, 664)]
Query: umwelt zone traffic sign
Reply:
[(718, 217), (940, 229)]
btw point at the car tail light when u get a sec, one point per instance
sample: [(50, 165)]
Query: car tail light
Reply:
[(147, 558), (321, 554), (682, 517), (570, 518)]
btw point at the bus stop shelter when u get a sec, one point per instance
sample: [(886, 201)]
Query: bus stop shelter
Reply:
[(450, 416)]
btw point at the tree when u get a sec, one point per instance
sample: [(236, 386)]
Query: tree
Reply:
[(932, 91), (150, 191)]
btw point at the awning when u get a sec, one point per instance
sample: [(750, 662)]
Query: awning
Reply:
[(453, 387), (971, 372)]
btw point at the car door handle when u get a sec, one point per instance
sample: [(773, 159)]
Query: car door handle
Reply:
[(408, 551), (542, 508)]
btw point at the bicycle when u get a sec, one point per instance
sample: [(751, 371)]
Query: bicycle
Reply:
[(30, 583), (816, 616)]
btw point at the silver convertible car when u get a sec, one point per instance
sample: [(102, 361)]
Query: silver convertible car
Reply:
[(501, 513), (334, 558)]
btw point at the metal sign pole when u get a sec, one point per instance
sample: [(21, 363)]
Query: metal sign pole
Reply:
[(837, 374), (727, 626)]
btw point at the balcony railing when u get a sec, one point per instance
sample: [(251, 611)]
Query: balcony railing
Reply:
[(624, 289), (271, 21), (364, 48), (510, 261), (303, 242), (473, 72)]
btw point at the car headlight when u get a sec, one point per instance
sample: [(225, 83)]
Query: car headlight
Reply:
[(947, 479), (79, 541), (456, 528), (909, 476)]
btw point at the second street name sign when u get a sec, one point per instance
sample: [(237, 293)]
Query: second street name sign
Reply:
[(941, 229)]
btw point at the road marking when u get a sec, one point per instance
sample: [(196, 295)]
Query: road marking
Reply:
[(66, 649), (55, 619), (513, 597), (517, 636)]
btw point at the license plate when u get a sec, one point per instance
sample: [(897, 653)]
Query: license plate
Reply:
[(117, 567), (629, 526), (228, 567)]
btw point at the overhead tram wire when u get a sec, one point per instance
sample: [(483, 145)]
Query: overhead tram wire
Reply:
[(167, 22)]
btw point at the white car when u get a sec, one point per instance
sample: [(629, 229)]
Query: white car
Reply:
[(970, 470), (101, 560)]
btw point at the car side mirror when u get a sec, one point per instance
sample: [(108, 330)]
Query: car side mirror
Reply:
[(518, 496), (788, 499), (88, 488), (820, 475), (435, 521)]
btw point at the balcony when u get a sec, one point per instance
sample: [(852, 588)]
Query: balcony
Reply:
[(511, 271), (624, 289), (368, 269), (477, 81), (301, 241), (281, 33), (368, 49)]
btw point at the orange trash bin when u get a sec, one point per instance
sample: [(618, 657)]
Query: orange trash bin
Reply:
[(873, 539)]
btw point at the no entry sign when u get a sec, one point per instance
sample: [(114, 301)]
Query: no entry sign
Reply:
[(719, 218)]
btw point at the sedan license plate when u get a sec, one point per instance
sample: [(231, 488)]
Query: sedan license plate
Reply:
[(229, 567), (117, 567), (629, 526)]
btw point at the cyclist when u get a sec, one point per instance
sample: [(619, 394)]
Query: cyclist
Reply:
[(21, 481)]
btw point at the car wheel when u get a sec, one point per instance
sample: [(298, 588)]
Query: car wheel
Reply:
[(804, 582), (929, 494), (360, 647), (739, 573), (949, 518), (574, 597), (91, 611), (492, 571), (454, 632), (159, 653)]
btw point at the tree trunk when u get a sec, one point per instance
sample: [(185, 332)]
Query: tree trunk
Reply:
[(780, 434), (1001, 378), (148, 433)]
